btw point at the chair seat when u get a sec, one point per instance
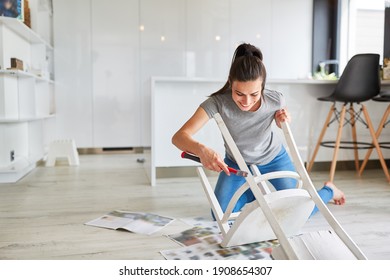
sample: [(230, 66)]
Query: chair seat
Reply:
[(291, 208), (385, 93), (382, 97), (341, 98), (330, 98)]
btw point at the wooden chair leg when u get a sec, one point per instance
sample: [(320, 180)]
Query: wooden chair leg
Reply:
[(337, 144), (310, 165), (376, 144), (377, 134), (354, 137)]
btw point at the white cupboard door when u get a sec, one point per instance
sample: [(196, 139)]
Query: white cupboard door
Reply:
[(73, 71), (116, 98), (163, 46), (208, 51)]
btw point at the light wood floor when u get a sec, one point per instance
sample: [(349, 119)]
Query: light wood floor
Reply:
[(43, 215)]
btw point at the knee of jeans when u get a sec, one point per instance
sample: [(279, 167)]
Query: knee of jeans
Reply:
[(284, 183)]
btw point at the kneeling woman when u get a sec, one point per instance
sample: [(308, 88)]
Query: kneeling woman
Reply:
[(248, 110)]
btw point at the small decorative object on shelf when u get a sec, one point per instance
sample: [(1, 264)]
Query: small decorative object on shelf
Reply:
[(16, 64), (27, 14), (12, 8)]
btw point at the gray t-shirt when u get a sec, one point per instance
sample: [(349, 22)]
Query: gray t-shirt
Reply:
[(252, 131)]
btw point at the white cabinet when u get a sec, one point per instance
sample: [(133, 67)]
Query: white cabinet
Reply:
[(108, 51), (163, 50), (115, 53), (291, 39), (208, 46), (26, 99), (254, 27), (73, 70), (97, 77)]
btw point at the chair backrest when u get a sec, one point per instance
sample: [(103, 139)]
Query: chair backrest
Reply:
[(360, 80)]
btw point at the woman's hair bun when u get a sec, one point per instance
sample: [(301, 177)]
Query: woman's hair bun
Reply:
[(248, 50)]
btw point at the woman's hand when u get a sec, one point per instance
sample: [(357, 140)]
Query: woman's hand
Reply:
[(212, 161), (184, 141), (281, 116)]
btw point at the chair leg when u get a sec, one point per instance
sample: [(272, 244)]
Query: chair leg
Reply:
[(310, 165), (337, 145), (354, 137), (376, 144), (215, 206), (377, 134)]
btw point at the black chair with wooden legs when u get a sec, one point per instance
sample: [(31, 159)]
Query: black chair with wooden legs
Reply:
[(359, 82), (383, 97)]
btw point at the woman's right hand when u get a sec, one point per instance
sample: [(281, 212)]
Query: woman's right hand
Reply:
[(183, 140), (212, 161)]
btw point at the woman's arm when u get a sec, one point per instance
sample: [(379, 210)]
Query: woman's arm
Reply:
[(184, 141), (281, 116)]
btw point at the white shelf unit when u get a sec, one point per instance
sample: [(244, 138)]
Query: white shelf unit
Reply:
[(27, 105)]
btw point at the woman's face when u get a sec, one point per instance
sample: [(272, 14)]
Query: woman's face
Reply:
[(247, 94)]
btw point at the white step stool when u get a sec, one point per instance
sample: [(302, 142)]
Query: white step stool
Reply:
[(63, 149)]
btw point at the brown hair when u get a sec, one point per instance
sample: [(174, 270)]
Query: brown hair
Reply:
[(247, 65)]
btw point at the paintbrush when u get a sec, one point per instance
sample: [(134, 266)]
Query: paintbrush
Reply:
[(197, 159)]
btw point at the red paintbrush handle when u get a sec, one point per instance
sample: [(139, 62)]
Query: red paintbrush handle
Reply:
[(197, 159), (232, 170)]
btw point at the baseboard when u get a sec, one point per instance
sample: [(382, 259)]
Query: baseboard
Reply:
[(117, 150)]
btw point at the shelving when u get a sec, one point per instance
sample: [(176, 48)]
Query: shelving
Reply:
[(23, 31), (27, 110), (10, 121), (24, 74)]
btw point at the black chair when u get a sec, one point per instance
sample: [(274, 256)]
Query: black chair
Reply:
[(383, 97), (359, 82)]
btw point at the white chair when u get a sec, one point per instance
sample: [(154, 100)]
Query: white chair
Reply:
[(278, 215)]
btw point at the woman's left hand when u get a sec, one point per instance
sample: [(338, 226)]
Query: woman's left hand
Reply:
[(281, 116)]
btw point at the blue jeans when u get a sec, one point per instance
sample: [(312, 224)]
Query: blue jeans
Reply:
[(227, 185)]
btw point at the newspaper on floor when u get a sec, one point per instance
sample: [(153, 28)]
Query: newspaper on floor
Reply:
[(206, 247), (137, 222), (202, 242), (197, 235), (204, 222)]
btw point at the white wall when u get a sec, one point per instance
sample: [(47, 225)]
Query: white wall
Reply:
[(105, 60)]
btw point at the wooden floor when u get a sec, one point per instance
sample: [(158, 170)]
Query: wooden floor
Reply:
[(43, 215)]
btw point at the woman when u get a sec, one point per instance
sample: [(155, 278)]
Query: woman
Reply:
[(248, 110)]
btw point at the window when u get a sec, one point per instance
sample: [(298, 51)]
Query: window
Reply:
[(366, 27)]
